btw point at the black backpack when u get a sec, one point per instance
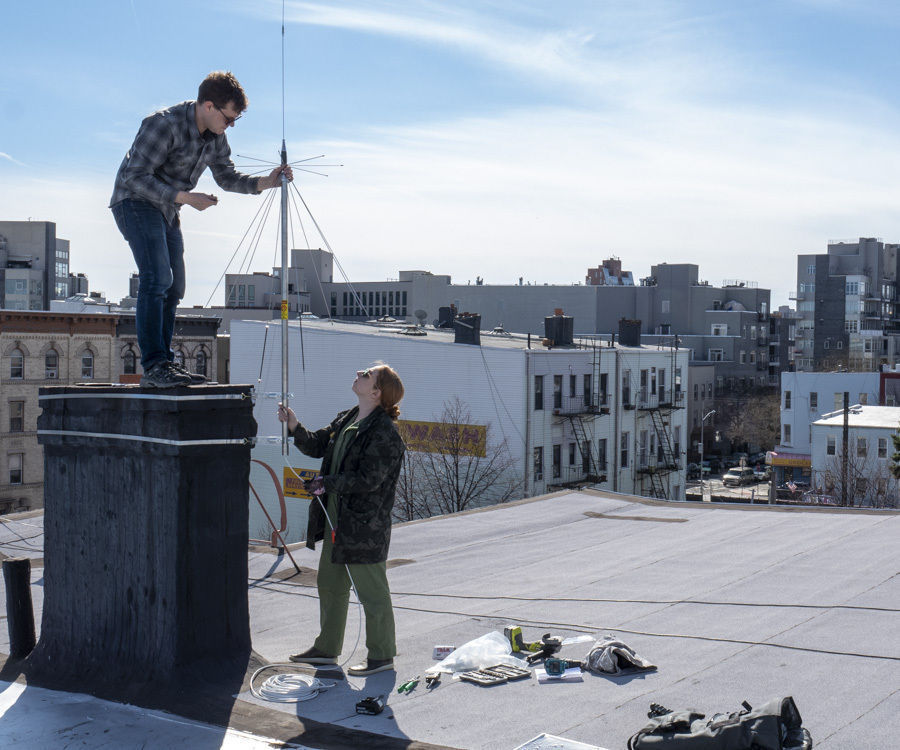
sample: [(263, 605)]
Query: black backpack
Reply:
[(775, 725)]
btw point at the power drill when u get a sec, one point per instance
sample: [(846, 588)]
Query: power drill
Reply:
[(548, 646)]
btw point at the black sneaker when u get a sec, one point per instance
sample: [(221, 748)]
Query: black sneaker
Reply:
[(313, 656), (196, 377), (161, 375)]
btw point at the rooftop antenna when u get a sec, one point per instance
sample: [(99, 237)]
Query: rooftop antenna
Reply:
[(285, 378), (259, 166)]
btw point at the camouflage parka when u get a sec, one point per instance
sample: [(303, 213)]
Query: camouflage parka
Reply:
[(365, 484)]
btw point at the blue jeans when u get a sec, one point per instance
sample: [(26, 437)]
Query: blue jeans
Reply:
[(158, 250)]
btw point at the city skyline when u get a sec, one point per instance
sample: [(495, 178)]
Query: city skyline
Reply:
[(500, 141)]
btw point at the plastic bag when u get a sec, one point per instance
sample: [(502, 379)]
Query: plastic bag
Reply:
[(486, 651)]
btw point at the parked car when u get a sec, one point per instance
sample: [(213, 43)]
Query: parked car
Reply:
[(736, 477), (712, 466), (791, 490), (762, 473), (693, 471)]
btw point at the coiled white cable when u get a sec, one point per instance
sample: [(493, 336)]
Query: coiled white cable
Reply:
[(287, 688)]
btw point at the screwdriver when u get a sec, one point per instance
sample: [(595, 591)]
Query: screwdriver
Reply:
[(408, 686)]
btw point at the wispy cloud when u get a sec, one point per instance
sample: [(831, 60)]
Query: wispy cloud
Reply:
[(551, 50), (6, 156)]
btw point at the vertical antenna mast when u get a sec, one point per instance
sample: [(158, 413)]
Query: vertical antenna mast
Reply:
[(285, 386), (284, 299)]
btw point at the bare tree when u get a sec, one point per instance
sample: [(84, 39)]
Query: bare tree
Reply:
[(409, 504), (458, 468), (869, 484), (752, 418)]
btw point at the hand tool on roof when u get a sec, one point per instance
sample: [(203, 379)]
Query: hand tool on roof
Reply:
[(409, 685), (432, 680)]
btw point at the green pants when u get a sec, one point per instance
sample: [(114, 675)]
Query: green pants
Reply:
[(334, 598)]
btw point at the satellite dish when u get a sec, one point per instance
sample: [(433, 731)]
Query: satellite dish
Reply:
[(421, 315)]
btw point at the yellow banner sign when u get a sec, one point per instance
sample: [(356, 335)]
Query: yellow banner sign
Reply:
[(440, 437), (293, 480), (801, 462), (284, 309)]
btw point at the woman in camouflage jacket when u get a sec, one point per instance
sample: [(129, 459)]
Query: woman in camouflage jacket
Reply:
[(362, 453)]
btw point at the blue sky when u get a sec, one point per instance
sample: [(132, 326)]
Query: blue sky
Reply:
[(501, 138)]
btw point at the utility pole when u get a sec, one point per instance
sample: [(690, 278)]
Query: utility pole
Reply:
[(703, 422), (845, 446)]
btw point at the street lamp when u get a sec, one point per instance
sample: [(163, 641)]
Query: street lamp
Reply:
[(702, 421)]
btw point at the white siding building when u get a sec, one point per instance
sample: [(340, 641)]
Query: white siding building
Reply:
[(610, 415), (870, 449), (805, 397)]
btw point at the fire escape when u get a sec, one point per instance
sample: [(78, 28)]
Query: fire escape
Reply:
[(580, 409), (658, 405)]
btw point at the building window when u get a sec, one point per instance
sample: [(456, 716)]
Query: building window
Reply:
[(882, 447), (51, 365), (831, 446), (715, 355), (665, 306), (787, 399), (557, 391), (811, 270), (719, 329), (557, 461), (200, 367), (787, 434), (623, 450), (571, 454), (129, 363), (862, 447), (626, 388), (743, 357), (601, 454), (16, 416), (87, 364), (15, 467), (538, 392), (813, 401), (587, 390), (16, 365), (539, 462), (573, 387)]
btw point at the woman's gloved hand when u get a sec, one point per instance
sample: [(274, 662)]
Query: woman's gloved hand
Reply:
[(315, 486)]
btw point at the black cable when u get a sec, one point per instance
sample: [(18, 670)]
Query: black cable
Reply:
[(591, 628)]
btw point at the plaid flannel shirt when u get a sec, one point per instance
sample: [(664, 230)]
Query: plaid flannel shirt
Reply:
[(169, 154)]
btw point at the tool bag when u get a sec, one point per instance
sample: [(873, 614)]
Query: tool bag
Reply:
[(775, 725)]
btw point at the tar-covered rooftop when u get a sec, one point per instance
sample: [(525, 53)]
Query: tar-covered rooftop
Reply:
[(732, 603)]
